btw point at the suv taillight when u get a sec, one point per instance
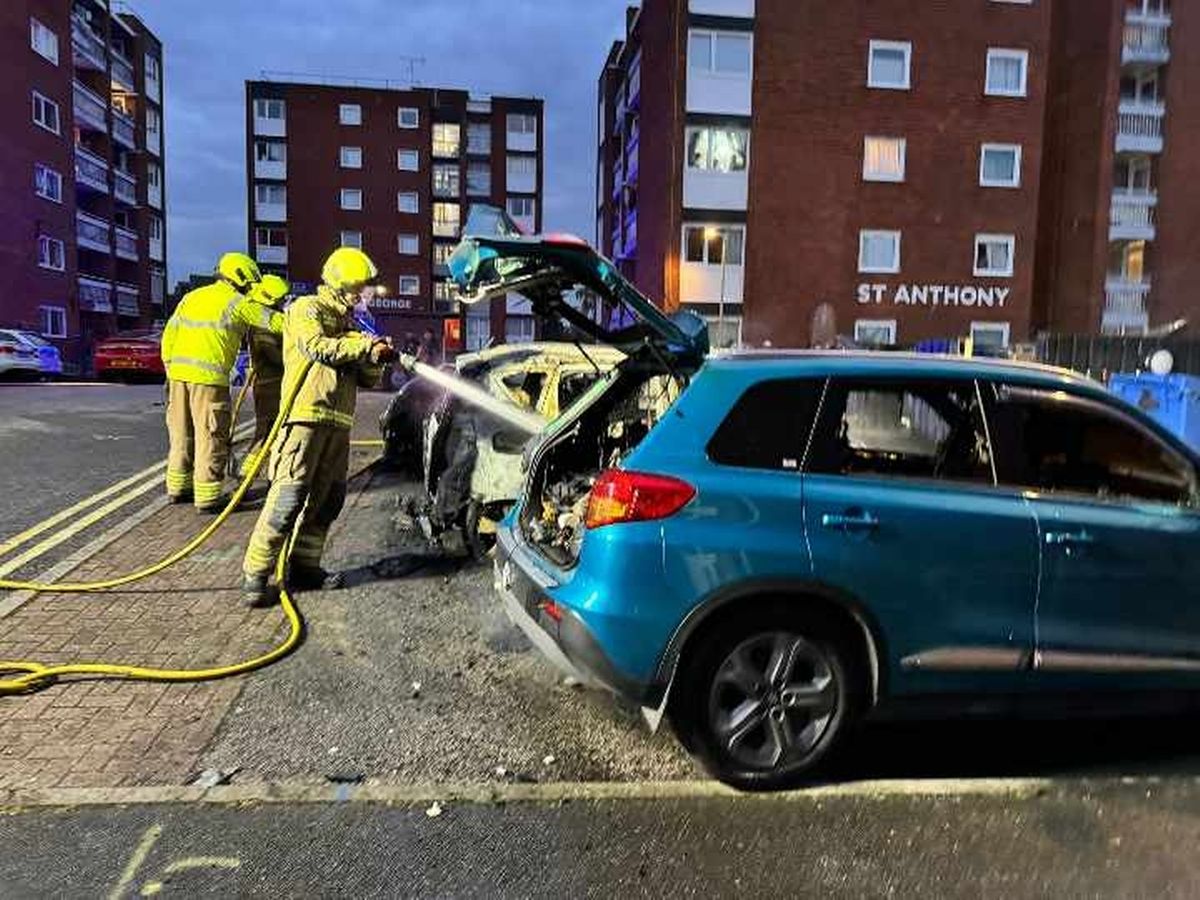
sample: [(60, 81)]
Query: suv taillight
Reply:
[(620, 496)]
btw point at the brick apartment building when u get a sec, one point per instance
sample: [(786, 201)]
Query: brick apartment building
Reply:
[(82, 238), (393, 171), (901, 172)]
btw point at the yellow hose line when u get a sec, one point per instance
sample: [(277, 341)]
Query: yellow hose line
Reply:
[(377, 442)]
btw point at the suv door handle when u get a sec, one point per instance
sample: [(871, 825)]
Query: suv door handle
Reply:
[(1069, 539), (850, 521)]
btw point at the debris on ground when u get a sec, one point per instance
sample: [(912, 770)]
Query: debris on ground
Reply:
[(549, 759), (211, 778), (416, 690), (434, 811), (345, 777)]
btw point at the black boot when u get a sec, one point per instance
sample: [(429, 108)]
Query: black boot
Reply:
[(256, 593), (302, 578)]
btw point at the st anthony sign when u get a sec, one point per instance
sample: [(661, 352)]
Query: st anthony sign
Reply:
[(964, 295)]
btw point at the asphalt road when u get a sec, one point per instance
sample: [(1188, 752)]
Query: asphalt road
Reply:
[(1132, 840)]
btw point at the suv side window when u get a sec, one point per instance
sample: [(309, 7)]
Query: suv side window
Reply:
[(769, 425), (902, 429), (1050, 441)]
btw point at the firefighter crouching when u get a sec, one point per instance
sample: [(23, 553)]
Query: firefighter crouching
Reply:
[(199, 347), (266, 361), (311, 457)]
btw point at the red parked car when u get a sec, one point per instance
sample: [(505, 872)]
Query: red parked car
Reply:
[(129, 355)]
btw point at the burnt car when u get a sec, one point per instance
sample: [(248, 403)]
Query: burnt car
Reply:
[(402, 424), (471, 460)]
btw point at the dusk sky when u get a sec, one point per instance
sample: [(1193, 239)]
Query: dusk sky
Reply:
[(546, 48)]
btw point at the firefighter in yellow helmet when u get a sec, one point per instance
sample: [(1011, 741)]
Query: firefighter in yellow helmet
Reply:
[(311, 457), (199, 348), (266, 361)]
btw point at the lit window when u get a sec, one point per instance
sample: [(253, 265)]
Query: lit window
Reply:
[(410, 285), (720, 52), (45, 112), (349, 114), (351, 239), (890, 65), (1006, 73), (713, 245), (994, 255), (351, 157), (268, 109), (270, 151), (54, 321), (884, 158), (446, 180), (990, 335), (409, 244), (875, 332), (352, 198), (408, 117), (408, 202), (44, 41), (446, 219), (521, 123), (47, 182), (51, 254), (479, 179), (879, 251), (717, 149), (446, 139), (1000, 165), (442, 253), (479, 138)]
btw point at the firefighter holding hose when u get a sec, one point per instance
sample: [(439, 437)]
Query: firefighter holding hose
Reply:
[(311, 457)]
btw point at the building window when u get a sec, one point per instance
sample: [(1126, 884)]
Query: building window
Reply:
[(890, 65), (54, 321), (153, 126), (349, 114), (521, 123), (153, 68), (1007, 73), (153, 175), (408, 117), (51, 254), (720, 52), (717, 149), (351, 157), (408, 160), (520, 330), (1000, 165), (884, 158), (270, 237), (351, 239), (47, 182), (446, 139), (352, 198), (990, 335), (270, 194), (408, 244), (479, 138), (520, 207), (875, 332), (156, 228), (519, 166), (408, 202), (879, 251), (479, 179), (446, 180), (44, 41), (270, 151), (268, 109), (446, 219), (410, 285), (713, 245), (442, 253), (994, 255), (45, 112)]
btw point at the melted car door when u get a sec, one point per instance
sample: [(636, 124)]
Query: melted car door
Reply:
[(902, 516)]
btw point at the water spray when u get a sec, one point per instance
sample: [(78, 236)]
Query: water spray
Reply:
[(528, 422)]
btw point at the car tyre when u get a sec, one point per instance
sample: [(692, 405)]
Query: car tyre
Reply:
[(479, 542), (764, 702)]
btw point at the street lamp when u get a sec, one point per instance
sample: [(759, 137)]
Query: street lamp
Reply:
[(710, 234)]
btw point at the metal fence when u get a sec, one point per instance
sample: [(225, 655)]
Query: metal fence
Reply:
[(1100, 355)]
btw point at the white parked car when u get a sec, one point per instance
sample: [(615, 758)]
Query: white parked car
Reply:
[(18, 358)]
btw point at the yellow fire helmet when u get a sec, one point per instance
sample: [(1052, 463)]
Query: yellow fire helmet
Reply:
[(348, 269), (271, 291), (239, 270)]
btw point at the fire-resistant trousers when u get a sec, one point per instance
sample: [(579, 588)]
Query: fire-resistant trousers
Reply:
[(198, 423), (309, 465), (266, 408)]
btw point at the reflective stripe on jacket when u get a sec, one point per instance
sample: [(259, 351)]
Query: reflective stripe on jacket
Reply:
[(200, 343), (319, 329)]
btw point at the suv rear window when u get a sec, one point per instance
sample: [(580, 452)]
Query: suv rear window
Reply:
[(769, 425)]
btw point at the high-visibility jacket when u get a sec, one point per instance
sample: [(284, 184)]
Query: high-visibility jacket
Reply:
[(200, 343), (266, 356), (319, 329)]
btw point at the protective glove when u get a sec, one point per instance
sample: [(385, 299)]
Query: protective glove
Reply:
[(382, 353)]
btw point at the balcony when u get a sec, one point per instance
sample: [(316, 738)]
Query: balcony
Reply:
[(270, 254), (1125, 305), (88, 47), (127, 243), (270, 212), (1140, 127), (95, 295), (90, 171), (1133, 216), (92, 232), (154, 141), (270, 169), (154, 192), (91, 112), (123, 130), (1146, 39), (122, 72), (267, 127), (125, 187), (158, 286), (127, 300), (154, 247)]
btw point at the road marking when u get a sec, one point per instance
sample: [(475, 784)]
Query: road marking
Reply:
[(225, 863), (149, 839)]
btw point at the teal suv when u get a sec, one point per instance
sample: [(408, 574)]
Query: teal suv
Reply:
[(768, 547)]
